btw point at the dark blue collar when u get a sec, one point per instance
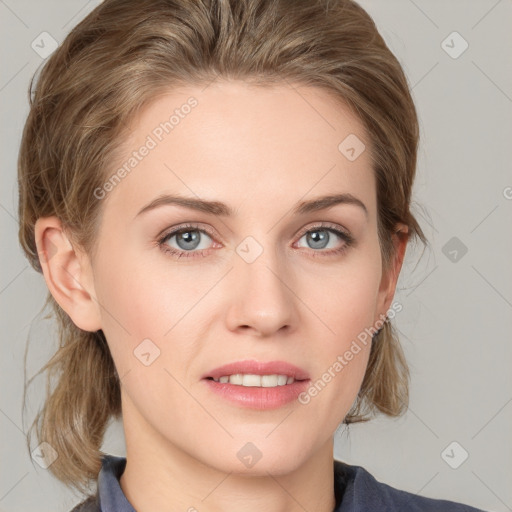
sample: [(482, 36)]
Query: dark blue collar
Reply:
[(112, 498)]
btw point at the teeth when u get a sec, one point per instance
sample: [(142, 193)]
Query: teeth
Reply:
[(250, 380)]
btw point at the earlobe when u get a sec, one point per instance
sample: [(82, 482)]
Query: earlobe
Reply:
[(390, 279), (67, 273)]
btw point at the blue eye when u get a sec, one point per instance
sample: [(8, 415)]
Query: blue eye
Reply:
[(319, 238), (190, 241)]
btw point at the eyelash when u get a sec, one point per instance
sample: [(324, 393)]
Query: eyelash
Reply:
[(347, 238)]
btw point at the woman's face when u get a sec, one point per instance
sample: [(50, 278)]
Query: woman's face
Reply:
[(270, 281)]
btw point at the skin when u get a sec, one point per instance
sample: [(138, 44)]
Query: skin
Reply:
[(259, 150)]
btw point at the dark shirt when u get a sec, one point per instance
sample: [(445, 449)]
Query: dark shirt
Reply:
[(355, 490)]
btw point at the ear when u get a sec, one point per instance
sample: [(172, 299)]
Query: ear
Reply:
[(390, 278), (68, 274)]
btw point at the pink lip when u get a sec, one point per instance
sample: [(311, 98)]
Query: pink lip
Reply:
[(259, 368), (258, 397)]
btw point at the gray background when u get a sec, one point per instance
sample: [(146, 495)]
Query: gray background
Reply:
[(457, 307)]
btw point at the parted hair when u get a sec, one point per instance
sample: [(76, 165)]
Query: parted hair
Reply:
[(113, 63)]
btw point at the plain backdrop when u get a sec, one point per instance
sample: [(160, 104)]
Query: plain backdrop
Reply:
[(455, 440)]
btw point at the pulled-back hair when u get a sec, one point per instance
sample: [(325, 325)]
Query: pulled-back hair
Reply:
[(112, 64)]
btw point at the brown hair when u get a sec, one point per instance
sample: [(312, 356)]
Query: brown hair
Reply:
[(115, 61)]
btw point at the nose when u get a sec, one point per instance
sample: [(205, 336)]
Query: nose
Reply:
[(260, 295)]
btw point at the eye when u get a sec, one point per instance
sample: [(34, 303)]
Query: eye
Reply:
[(187, 238), (322, 236)]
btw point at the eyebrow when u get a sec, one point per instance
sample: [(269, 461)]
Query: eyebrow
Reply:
[(223, 210)]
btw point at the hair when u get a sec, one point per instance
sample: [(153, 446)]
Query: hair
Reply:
[(115, 62)]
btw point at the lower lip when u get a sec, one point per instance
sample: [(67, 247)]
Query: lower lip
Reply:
[(261, 398)]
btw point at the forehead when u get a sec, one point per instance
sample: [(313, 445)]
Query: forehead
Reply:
[(243, 144)]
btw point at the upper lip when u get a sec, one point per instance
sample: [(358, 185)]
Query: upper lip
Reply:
[(258, 368)]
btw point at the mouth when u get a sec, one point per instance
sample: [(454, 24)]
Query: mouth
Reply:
[(257, 385)]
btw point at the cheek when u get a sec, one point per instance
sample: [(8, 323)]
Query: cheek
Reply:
[(128, 302), (141, 300), (347, 306), (347, 299)]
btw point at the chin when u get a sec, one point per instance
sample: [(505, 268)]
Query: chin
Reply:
[(253, 462)]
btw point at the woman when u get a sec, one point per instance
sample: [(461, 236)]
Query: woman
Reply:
[(218, 196)]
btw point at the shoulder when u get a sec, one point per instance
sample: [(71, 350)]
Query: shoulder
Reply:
[(88, 505), (363, 492)]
